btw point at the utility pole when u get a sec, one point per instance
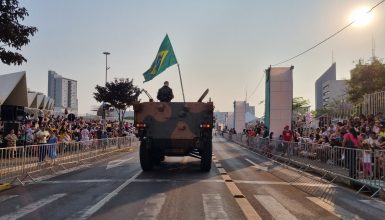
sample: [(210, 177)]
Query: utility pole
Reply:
[(106, 53), (103, 104)]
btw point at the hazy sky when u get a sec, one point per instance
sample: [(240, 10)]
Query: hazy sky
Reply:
[(223, 45)]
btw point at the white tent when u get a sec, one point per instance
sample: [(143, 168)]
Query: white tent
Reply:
[(45, 102), (13, 89), (40, 100), (50, 104), (32, 99)]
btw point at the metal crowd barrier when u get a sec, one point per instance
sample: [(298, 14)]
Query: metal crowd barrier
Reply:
[(16, 164), (360, 166)]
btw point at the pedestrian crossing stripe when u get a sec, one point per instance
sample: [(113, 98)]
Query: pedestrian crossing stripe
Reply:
[(152, 207), (23, 211), (276, 209), (334, 209), (213, 207), (7, 197)]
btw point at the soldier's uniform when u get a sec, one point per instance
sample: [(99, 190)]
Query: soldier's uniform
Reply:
[(165, 94)]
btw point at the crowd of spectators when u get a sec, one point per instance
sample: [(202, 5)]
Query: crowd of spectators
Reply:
[(369, 131), (349, 143), (42, 129)]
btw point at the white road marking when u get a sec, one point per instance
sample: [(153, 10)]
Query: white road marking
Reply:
[(274, 207), (39, 179), (117, 163), (180, 180), (5, 198), (21, 212), (259, 167), (261, 182), (107, 198), (293, 205), (213, 207), (334, 209), (79, 181), (375, 203), (256, 182), (152, 207)]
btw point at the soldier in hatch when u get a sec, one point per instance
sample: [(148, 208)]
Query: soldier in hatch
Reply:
[(165, 93)]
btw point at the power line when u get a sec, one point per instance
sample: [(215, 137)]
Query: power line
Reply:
[(257, 86), (339, 31)]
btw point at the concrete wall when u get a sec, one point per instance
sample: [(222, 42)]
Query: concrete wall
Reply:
[(239, 115), (281, 98), (230, 120)]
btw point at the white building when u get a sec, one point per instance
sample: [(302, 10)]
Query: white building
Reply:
[(63, 91), (333, 90), (328, 75)]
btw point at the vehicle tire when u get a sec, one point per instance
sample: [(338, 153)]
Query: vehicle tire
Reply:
[(157, 156), (145, 155), (206, 155)]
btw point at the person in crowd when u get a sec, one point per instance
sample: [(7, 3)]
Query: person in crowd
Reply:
[(351, 142), (366, 156), (287, 136), (382, 131), (40, 116), (41, 139), (11, 139), (30, 138), (85, 136), (376, 127), (52, 146), (65, 140)]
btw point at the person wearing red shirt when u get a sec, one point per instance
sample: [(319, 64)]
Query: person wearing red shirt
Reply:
[(287, 138), (287, 134)]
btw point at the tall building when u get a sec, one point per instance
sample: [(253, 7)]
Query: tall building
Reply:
[(333, 90), (250, 109), (329, 75), (63, 91)]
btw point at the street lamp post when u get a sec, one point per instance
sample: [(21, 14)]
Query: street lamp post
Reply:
[(106, 53), (103, 106)]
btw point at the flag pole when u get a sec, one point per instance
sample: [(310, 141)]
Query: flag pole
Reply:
[(181, 84)]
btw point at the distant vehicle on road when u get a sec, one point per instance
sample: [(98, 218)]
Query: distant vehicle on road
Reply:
[(174, 129)]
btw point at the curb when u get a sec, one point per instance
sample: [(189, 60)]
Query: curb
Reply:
[(5, 186)]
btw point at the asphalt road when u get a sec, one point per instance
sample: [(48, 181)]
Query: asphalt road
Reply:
[(177, 189)]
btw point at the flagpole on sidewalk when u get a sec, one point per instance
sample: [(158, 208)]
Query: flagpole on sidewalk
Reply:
[(180, 77)]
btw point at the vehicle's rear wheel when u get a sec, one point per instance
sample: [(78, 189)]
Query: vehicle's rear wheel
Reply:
[(156, 159), (206, 155), (146, 160)]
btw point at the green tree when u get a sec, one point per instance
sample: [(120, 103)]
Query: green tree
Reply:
[(120, 94), (300, 103), (12, 33), (366, 78)]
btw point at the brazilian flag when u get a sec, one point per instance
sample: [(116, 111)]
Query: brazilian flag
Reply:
[(163, 60)]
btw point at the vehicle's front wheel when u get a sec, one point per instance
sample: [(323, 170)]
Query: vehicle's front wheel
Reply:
[(145, 155)]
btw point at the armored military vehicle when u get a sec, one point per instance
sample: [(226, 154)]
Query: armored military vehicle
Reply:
[(174, 129)]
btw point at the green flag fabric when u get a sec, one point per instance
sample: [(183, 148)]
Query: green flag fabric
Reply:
[(164, 59)]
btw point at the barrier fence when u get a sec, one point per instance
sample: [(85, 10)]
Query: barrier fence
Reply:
[(16, 164), (372, 103), (359, 166)]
